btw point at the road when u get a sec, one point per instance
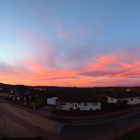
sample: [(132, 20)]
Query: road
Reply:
[(105, 128), (36, 124), (102, 128)]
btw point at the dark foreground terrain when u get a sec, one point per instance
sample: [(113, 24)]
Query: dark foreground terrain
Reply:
[(17, 122), (134, 135), (34, 138)]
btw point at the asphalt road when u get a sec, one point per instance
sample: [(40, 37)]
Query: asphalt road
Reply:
[(103, 128), (37, 130)]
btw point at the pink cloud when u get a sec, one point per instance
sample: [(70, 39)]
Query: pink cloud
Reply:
[(110, 70), (46, 67), (105, 71), (64, 35)]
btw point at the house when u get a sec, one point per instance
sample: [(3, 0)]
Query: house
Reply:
[(52, 100), (80, 102), (128, 96), (21, 94)]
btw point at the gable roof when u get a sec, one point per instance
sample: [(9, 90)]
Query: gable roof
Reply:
[(79, 98), (125, 94)]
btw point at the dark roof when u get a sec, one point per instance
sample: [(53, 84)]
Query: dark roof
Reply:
[(79, 98), (125, 94)]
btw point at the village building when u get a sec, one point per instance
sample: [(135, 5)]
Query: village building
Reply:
[(129, 97), (80, 102), (21, 94), (52, 101)]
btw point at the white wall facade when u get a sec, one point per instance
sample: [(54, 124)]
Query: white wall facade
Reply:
[(133, 101), (130, 101), (79, 106), (52, 100), (111, 100)]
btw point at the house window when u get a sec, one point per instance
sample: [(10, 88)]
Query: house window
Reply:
[(139, 98), (78, 109), (75, 105), (71, 108), (132, 99), (94, 104), (85, 104)]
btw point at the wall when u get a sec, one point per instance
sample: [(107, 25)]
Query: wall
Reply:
[(111, 100), (52, 100), (79, 106), (133, 101)]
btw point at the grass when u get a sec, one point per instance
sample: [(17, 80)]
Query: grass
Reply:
[(134, 135)]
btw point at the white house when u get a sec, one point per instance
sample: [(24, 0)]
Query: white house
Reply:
[(130, 97), (52, 100), (88, 106), (79, 103)]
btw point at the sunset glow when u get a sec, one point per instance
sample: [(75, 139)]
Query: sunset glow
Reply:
[(70, 43)]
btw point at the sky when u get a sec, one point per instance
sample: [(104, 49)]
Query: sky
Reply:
[(83, 43)]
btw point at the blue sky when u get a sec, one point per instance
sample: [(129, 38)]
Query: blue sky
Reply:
[(70, 38)]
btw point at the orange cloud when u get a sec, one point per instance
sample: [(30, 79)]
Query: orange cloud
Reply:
[(46, 66), (114, 67), (106, 71)]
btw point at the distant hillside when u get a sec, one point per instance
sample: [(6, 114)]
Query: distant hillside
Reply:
[(55, 91)]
